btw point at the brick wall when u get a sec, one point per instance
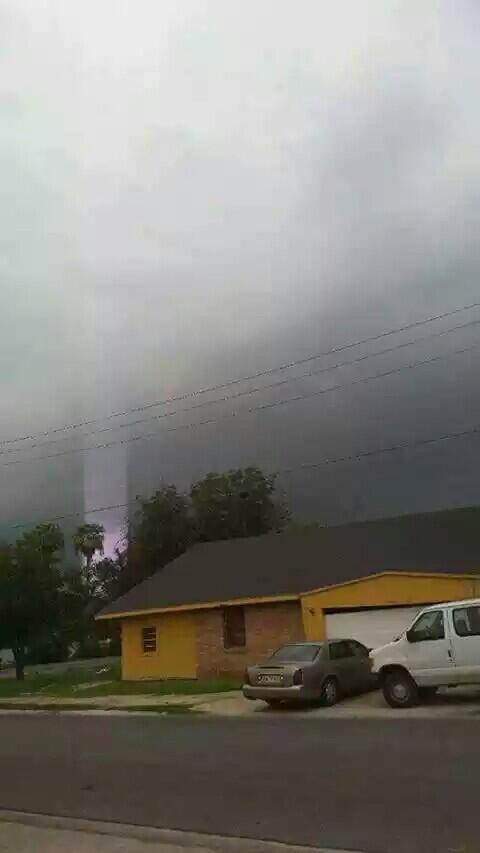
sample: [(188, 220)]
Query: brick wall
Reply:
[(267, 626)]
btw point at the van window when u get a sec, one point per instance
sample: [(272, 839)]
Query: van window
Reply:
[(467, 621), (429, 626)]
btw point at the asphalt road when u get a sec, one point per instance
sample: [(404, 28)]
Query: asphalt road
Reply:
[(392, 786)]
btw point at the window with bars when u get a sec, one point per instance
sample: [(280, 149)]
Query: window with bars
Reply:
[(234, 636), (149, 640)]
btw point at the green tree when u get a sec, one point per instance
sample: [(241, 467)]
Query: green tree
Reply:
[(87, 540), (84, 591), (111, 575), (79, 604), (31, 589), (161, 531), (237, 503)]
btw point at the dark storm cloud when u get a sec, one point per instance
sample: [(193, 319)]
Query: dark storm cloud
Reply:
[(197, 191)]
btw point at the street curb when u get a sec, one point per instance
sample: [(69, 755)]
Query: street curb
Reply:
[(225, 844), (92, 712)]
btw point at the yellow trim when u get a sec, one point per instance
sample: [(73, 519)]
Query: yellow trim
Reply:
[(209, 605), (390, 574), (206, 606)]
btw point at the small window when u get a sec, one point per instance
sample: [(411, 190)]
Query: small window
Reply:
[(340, 650), (234, 628), (149, 640), (429, 626), (467, 621)]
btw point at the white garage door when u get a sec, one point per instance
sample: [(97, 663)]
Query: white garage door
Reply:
[(372, 627)]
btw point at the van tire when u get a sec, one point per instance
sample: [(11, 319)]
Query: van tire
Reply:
[(399, 689)]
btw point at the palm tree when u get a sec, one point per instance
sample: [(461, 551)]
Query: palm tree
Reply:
[(87, 540)]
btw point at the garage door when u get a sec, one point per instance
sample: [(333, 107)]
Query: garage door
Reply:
[(372, 627)]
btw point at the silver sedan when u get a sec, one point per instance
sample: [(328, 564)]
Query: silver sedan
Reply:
[(310, 672)]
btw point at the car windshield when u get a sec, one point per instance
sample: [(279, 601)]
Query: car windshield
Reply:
[(301, 652)]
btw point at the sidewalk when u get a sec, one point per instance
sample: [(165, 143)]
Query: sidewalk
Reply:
[(458, 702), (15, 838), (160, 702), (24, 833)]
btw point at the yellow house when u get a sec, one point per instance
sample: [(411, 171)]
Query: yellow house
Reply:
[(222, 606)]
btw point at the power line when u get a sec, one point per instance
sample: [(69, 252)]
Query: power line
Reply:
[(393, 448), (81, 514), (231, 382), (250, 391), (354, 457), (263, 407)]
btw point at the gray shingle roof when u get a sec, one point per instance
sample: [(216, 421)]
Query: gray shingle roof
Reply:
[(301, 560)]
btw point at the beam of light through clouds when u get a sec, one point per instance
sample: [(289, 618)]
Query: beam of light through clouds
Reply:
[(193, 190)]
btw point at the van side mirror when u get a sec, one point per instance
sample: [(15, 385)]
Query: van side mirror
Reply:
[(411, 636)]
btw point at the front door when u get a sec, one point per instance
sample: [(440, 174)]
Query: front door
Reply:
[(429, 651), (465, 630)]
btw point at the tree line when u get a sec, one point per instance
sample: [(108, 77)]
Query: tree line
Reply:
[(48, 609)]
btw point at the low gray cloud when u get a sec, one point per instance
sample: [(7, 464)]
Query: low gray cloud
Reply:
[(197, 191)]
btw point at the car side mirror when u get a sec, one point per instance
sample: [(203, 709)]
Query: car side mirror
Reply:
[(411, 637)]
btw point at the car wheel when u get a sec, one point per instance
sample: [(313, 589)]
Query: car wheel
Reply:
[(330, 692), (273, 703), (400, 690)]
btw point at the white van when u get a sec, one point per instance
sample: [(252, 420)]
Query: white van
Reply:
[(441, 648)]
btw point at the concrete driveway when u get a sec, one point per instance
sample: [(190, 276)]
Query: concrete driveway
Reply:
[(458, 702)]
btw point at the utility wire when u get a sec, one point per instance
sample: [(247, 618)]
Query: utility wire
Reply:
[(263, 407), (80, 514), (393, 448), (248, 392), (229, 383), (354, 457)]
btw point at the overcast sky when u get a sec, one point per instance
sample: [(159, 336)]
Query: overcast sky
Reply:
[(195, 191)]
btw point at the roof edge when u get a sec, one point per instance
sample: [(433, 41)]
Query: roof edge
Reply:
[(458, 575), (269, 599)]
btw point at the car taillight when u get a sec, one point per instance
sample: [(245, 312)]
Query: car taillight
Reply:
[(246, 677), (298, 677)]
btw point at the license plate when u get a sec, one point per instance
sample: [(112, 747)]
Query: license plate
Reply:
[(270, 679)]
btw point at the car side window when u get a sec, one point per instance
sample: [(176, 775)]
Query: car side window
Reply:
[(467, 621), (429, 626), (359, 650), (340, 650)]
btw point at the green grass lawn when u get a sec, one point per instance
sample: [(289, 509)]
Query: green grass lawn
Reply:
[(160, 688), (104, 681)]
